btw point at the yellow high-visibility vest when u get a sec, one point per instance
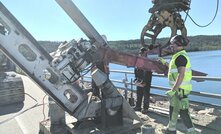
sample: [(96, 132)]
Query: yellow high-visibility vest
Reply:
[(173, 73)]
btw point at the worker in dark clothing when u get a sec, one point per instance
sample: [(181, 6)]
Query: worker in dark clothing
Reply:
[(104, 67), (142, 80), (179, 75)]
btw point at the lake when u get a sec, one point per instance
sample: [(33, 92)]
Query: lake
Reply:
[(204, 61)]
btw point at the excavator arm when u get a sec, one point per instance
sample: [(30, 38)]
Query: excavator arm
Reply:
[(164, 13), (57, 72)]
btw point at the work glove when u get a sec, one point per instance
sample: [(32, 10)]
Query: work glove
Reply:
[(139, 83), (170, 93)]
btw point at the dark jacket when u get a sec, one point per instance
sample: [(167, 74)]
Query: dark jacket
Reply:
[(143, 75)]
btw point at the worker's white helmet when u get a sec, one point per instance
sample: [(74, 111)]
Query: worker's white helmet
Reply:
[(179, 40)]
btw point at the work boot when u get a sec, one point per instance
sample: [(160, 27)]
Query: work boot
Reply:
[(144, 111), (167, 131), (191, 131), (137, 109)]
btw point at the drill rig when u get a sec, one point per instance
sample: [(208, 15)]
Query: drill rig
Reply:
[(57, 73)]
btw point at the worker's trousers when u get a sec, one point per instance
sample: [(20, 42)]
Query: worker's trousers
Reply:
[(180, 105), (143, 93)]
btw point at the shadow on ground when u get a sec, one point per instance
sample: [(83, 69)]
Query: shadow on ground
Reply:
[(213, 128), (11, 108), (163, 120)]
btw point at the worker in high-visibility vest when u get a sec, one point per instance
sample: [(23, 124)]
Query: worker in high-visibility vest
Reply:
[(179, 75)]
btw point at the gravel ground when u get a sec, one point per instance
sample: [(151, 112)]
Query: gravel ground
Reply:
[(207, 119)]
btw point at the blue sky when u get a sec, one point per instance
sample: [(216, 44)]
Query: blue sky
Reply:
[(117, 19)]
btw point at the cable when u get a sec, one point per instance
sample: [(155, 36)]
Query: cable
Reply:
[(31, 97), (187, 12), (217, 8), (86, 70), (35, 105), (43, 110)]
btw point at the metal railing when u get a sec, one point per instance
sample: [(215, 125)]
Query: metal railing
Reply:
[(130, 83)]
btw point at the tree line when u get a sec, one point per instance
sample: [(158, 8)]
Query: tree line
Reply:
[(197, 43)]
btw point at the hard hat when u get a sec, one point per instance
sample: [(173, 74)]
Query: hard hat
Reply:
[(179, 40)]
